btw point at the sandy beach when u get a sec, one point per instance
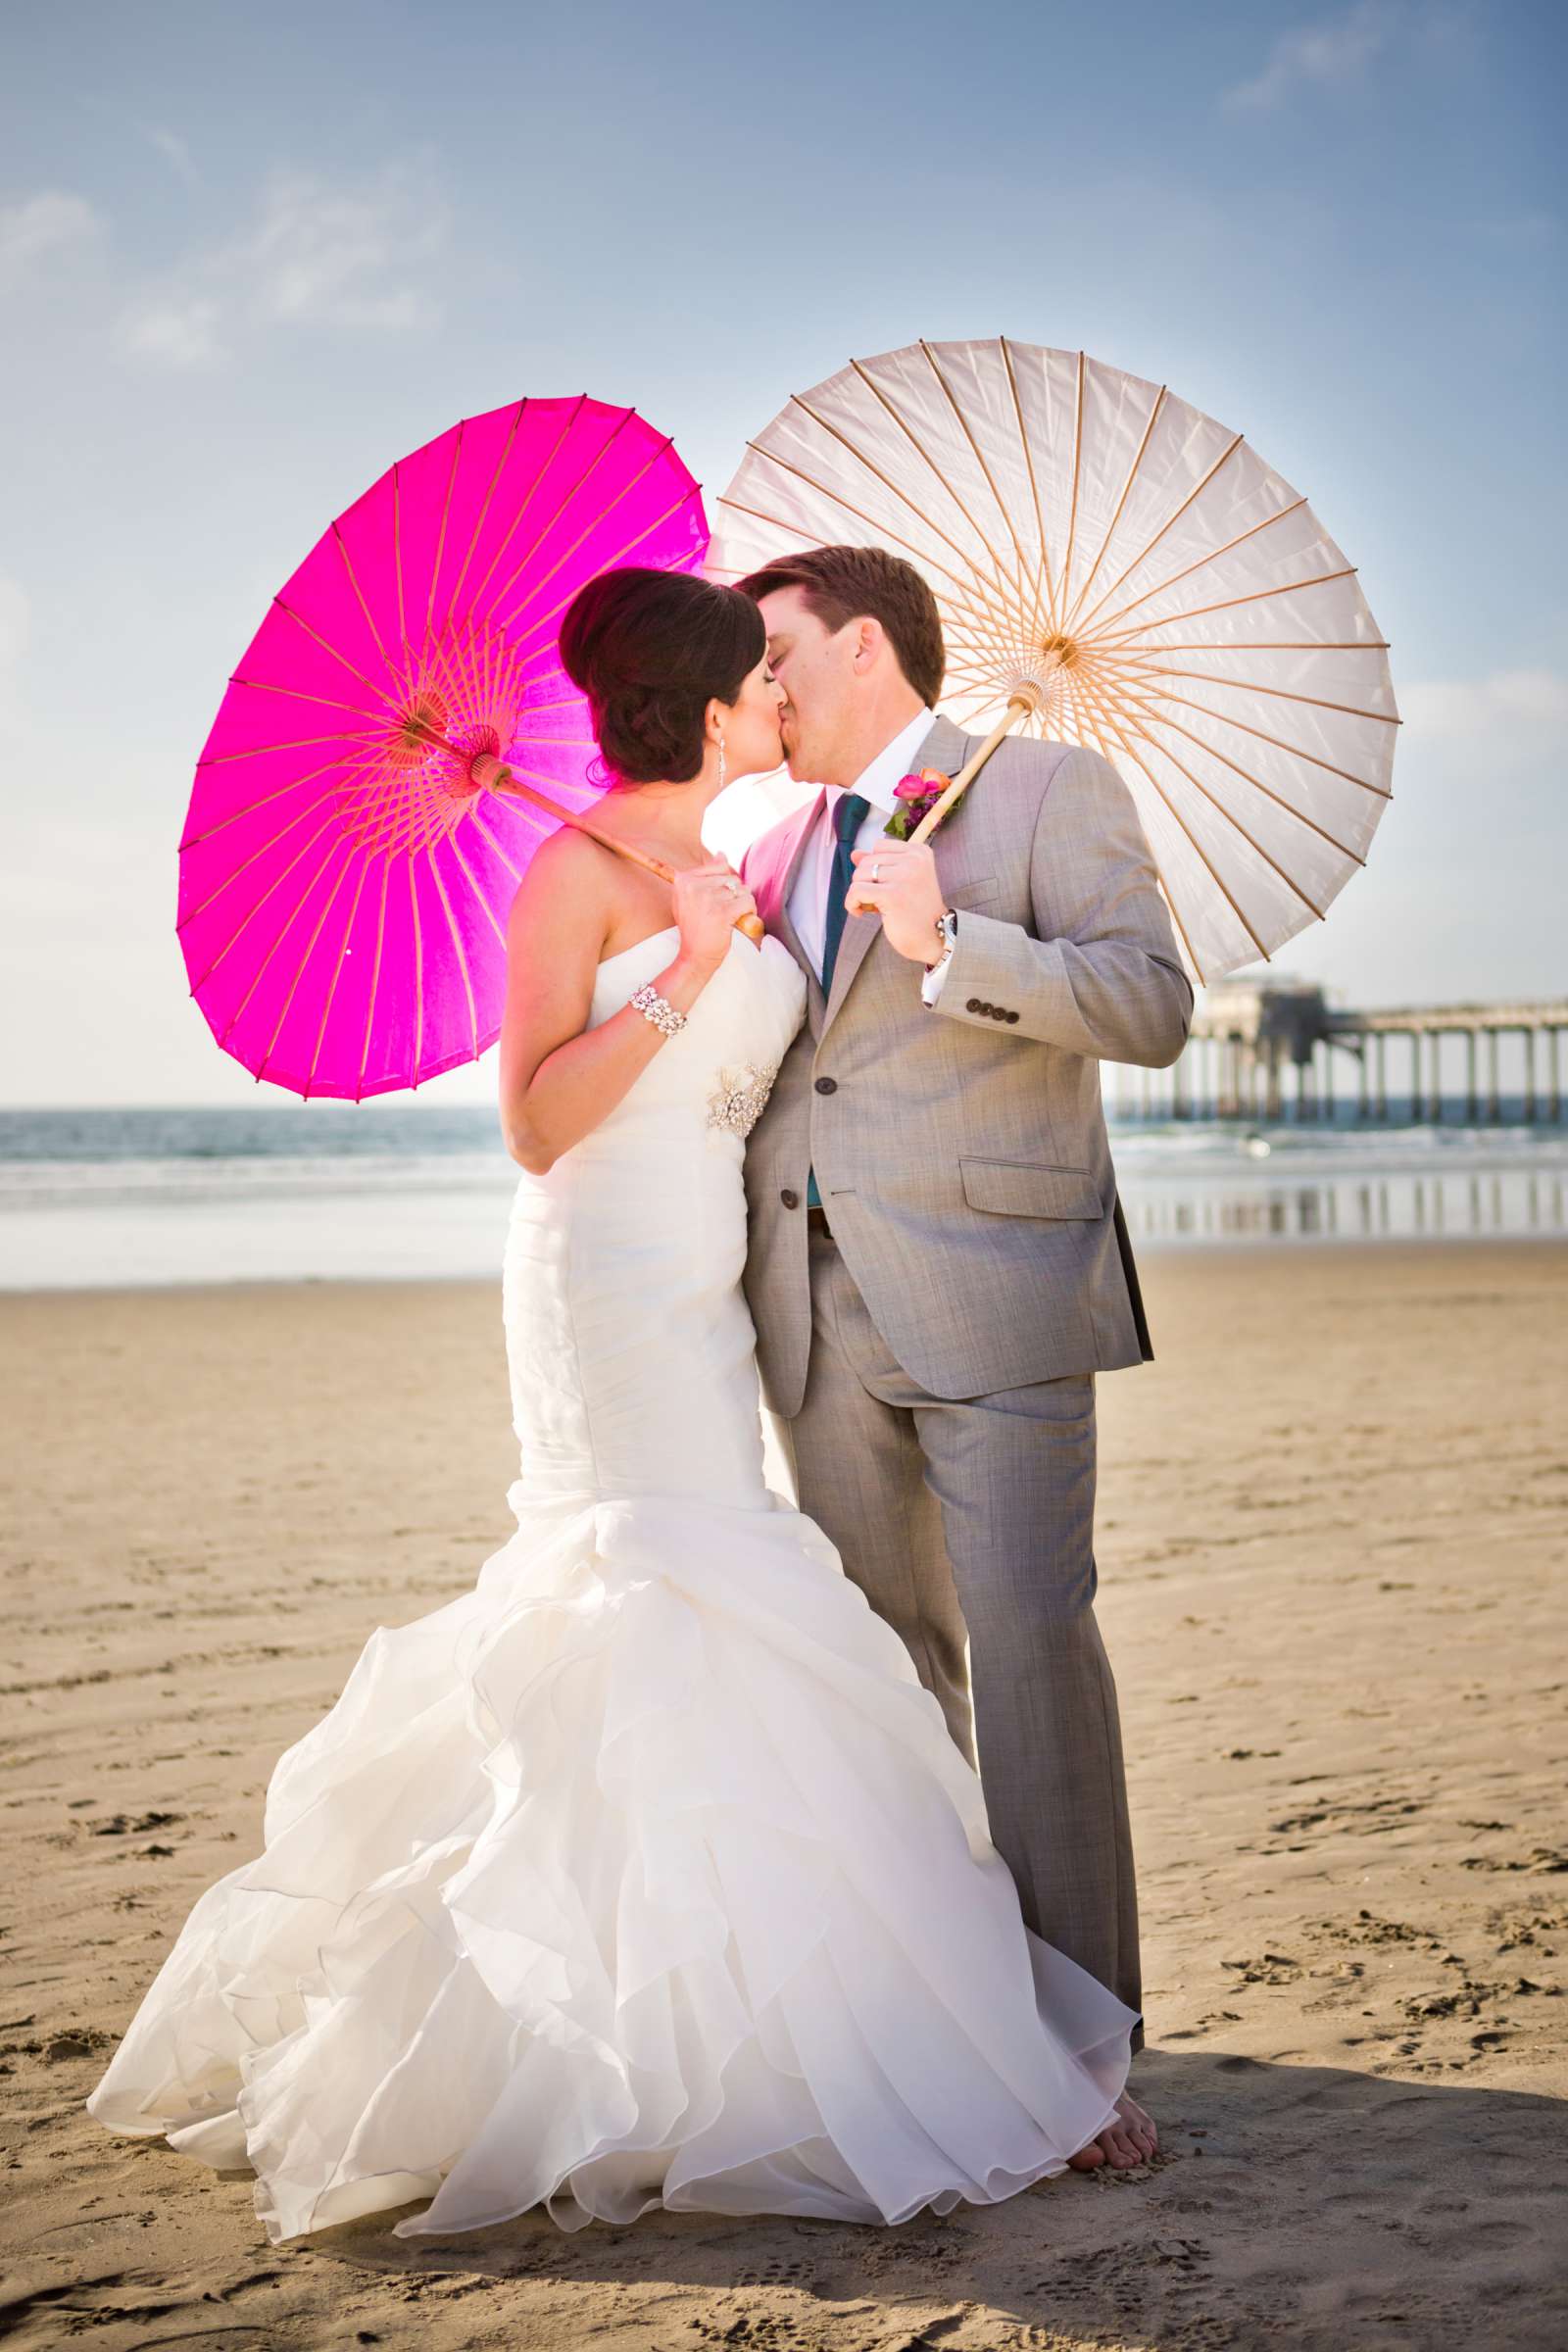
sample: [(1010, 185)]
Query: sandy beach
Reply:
[(1334, 1522)]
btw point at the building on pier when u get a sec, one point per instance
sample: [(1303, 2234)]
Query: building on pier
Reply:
[(1277, 1048)]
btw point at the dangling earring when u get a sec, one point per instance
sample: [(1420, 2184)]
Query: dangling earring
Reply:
[(721, 763)]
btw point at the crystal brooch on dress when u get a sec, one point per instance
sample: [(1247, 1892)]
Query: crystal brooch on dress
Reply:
[(738, 1101)]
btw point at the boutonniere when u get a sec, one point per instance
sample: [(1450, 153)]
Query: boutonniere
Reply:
[(916, 797)]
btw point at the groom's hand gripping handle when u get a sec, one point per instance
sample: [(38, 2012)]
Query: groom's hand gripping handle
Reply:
[(898, 882)]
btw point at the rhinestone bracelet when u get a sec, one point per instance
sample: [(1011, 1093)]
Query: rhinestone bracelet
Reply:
[(658, 1010)]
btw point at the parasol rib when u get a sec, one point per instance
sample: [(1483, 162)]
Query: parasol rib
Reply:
[(1224, 604), (280, 792), (593, 525), (1231, 818), (296, 694), (966, 585), (1278, 694), (545, 619), (1043, 569), (485, 907), (476, 819), (1126, 492), (1214, 873), (574, 491), (568, 426), (1072, 510), (924, 454), (1292, 750), (397, 558), (562, 702), (484, 510), (341, 545), (518, 517), (1281, 645), (979, 458), (245, 865), (441, 540), (1169, 524), (336, 652), (264, 750), (1092, 722), (1213, 556), (278, 936), (460, 667)]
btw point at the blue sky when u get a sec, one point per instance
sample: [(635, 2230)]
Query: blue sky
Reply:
[(248, 257)]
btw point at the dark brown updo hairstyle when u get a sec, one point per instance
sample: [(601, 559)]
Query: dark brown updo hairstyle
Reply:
[(651, 649)]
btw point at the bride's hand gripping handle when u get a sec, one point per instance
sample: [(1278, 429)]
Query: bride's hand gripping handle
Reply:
[(711, 902)]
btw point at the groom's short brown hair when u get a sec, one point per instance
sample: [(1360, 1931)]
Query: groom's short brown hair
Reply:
[(849, 583)]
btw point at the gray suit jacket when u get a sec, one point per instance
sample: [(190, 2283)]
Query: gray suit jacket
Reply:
[(962, 1152)]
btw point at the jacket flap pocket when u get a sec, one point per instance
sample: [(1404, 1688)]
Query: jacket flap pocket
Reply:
[(980, 893), (1015, 1188)]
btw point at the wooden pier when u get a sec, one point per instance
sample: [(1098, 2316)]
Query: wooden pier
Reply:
[(1268, 1051)]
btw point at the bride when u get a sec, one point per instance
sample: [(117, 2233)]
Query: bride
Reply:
[(646, 1872)]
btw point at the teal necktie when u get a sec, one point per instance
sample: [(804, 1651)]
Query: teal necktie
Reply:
[(847, 819)]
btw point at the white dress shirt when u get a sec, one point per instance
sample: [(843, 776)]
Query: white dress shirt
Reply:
[(807, 900)]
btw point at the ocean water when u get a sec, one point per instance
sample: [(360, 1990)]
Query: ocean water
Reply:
[(328, 1190)]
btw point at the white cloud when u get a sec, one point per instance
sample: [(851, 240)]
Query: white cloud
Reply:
[(1505, 701), (317, 253), (42, 224), (1334, 51), (175, 152), (175, 330), (342, 254)]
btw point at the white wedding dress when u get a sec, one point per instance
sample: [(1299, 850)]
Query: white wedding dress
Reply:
[(646, 1872)]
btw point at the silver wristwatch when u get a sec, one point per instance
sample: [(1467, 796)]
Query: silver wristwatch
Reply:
[(946, 930)]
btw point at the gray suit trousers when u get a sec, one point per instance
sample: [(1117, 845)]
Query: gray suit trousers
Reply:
[(969, 1522)]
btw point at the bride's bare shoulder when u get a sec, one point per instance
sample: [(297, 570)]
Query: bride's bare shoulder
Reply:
[(568, 861), (570, 885)]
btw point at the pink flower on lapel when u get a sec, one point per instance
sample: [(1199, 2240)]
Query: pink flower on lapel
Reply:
[(916, 797)]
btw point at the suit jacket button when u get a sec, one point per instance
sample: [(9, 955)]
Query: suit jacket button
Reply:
[(790, 1200), (1013, 1016), (976, 1005), (828, 1086)]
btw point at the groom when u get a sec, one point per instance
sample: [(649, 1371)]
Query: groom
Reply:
[(937, 1262)]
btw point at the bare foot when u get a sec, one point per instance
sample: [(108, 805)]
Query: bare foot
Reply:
[(1128, 2141)]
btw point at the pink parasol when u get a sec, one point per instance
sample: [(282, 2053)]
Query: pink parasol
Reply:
[(398, 739)]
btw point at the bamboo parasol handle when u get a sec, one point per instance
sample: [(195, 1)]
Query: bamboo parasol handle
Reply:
[(493, 775), (1024, 703)]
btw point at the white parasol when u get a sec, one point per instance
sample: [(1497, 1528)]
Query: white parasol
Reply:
[(1116, 570)]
